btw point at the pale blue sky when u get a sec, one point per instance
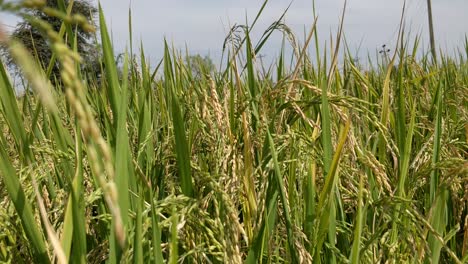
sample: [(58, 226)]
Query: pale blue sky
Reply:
[(203, 24)]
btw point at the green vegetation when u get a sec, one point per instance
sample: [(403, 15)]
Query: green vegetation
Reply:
[(200, 65), (323, 162), (38, 44)]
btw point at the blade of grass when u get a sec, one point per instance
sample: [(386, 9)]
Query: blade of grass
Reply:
[(266, 228), (156, 238), (73, 227), (327, 195), (284, 200), (110, 66), (253, 89), (354, 258), (138, 239), (438, 193), (174, 250), (22, 206), (182, 148), (310, 196), (405, 157), (10, 110), (118, 102)]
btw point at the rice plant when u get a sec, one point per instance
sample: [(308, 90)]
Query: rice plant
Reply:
[(320, 161)]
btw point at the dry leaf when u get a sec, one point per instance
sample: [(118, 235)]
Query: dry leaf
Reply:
[(3, 35)]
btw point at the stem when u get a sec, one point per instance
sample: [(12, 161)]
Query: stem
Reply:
[(431, 30)]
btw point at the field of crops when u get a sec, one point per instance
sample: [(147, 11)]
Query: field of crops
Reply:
[(322, 161)]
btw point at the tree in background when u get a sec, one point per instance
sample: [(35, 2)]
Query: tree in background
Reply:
[(36, 42), (200, 65)]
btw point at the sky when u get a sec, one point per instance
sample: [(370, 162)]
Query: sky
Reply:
[(202, 25)]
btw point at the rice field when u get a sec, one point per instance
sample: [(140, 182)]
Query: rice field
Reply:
[(316, 161)]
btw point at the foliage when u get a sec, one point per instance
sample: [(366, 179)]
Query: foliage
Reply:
[(200, 65), (313, 164), (35, 41)]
